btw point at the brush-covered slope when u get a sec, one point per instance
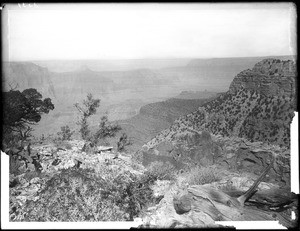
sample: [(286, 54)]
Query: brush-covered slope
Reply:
[(260, 117), (155, 117), (259, 106)]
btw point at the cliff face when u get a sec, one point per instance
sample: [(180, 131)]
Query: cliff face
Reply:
[(270, 77), (28, 75)]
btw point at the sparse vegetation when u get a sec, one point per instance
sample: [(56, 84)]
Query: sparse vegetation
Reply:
[(105, 129), (203, 175), (87, 109), (123, 142), (65, 133), (84, 195), (158, 170)]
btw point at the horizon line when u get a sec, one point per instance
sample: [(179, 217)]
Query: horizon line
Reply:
[(146, 58)]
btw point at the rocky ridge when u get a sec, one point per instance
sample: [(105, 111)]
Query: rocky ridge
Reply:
[(257, 114), (240, 128), (232, 153), (268, 77)]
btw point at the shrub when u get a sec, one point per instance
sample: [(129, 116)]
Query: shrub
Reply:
[(131, 195), (65, 133), (206, 136), (203, 175), (105, 129), (14, 165), (87, 109), (73, 195), (123, 142), (158, 170), (89, 195)]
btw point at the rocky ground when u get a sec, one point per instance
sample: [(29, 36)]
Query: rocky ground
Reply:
[(28, 186)]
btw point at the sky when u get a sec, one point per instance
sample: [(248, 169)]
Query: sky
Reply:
[(133, 31)]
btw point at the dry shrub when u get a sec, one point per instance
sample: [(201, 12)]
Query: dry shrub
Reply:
[(14, 165), (203, 175), (161, 170), (88, 195), (74, 195)]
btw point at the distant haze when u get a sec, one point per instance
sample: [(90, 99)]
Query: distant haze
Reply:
[(136, 31)]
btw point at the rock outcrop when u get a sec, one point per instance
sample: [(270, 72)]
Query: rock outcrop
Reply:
[(247, 124), (199, 205), (27, 186), (270, 77), (232, 153)]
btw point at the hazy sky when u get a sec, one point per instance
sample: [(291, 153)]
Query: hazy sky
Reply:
[(112, 31)]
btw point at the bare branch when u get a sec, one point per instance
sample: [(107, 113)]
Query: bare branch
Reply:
[(12, 88)]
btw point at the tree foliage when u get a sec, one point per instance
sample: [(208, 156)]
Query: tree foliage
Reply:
[(65, 133), (105, 129), (20, 111), (88, 108), (123, 142)]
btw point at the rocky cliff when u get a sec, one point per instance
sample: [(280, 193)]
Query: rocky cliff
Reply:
[(28, 75), (259, 106), (269, 77), (258, 115)]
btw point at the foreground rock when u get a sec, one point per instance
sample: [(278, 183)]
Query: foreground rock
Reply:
[(28, 186), (232, 153), (192, 207)]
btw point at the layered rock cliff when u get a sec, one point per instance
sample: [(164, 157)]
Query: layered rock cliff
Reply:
[(28, 75), (269, 77)]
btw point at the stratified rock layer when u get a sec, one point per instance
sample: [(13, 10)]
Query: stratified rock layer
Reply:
[(268, 77)]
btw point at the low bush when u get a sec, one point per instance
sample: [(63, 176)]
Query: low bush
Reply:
[(203, 175), (14, 165), (158, 170), (86, 195), (73, 195), (65, 133)]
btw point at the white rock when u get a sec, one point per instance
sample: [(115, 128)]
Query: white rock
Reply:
[(34, 180)]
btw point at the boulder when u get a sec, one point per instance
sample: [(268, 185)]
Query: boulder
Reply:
[(182, 204)]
